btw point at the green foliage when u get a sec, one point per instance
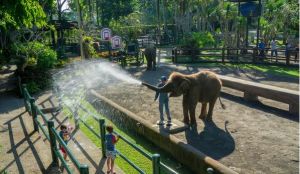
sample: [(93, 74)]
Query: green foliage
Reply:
[(88, 48), (280, 16), (115, 10), (37, 54), (130, 27), (198, 40), (61, 63), (33, 87), (18, 13)]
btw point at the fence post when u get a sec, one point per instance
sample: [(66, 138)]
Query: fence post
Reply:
[(25, 96), (223, 55), (84, 169), (20, 86), (34, 114), (102, 135), (175, 56), (53, 145), (156, 163), (288, 57), (254, 55)]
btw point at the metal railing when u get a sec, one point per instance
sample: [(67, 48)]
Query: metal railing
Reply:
[(51, 135), (157, 165)]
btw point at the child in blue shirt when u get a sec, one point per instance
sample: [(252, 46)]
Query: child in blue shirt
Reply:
[(111, 153)]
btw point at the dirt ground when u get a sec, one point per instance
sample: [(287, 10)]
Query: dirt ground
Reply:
[(247, 137)]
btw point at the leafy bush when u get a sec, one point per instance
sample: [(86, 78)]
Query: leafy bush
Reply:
[(88, 48), (34, 61), (129, 27), (37, 54), (197, 40), (32, 87)]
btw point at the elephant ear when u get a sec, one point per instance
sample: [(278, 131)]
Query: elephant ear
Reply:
[(184, 86)]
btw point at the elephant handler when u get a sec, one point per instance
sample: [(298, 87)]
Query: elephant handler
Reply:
[(163, 102)]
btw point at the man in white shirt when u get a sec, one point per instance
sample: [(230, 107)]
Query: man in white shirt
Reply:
[(273, 49)]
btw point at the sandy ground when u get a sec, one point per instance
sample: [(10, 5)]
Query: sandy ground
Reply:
[(247, 137)]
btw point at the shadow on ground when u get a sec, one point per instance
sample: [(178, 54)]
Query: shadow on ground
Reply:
[(212, 141)]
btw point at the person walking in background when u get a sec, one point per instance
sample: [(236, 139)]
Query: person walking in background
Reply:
[(261, 48), (274, 49), (287, 49), (111, 153), (163, 102)]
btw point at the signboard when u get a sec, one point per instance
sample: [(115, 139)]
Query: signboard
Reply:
[(105, 34), (250, 9), (116, 42)]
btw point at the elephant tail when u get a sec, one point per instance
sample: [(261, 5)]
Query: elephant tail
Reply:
[(223, 106)]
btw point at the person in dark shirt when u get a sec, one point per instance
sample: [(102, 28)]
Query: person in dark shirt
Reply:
[(261, 48), (163, 102), (111, 153)]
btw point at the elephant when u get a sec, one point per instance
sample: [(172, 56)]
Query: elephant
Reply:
[(203, 87), (150, 54)]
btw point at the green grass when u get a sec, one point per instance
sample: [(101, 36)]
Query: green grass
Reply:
[(136, 157), (269, 69), (272, 69)]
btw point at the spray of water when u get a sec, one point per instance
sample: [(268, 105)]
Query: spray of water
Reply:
[(73, 82)]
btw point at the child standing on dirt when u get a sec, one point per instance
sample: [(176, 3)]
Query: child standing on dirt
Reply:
[(64, 133), (163, 102), (111, 153)]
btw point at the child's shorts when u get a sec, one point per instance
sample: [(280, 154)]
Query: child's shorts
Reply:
[(63, 150), (111, 154)]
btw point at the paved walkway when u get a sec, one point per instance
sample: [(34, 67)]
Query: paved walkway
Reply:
[(24, 151)]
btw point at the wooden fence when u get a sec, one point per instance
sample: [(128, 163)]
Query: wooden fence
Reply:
[(234, 55)]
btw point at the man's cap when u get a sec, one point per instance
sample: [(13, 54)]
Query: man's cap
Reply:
[(163, 78)]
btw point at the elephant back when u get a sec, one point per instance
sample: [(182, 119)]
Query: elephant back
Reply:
[(210, 85)]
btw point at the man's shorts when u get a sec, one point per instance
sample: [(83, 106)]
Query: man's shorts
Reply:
[(111, 154)]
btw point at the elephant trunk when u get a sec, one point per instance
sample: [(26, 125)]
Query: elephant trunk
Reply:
[(166, 88), (154, 88)]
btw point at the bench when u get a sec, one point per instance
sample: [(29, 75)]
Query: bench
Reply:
[(252, 90)]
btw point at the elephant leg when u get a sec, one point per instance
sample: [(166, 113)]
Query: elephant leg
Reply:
[(185, 106), (192, 109), (203, 111), (148, 64), (210, 110), (154, 63)]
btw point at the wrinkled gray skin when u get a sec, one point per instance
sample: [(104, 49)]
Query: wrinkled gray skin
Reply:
[(150, 54), (203, 87)]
